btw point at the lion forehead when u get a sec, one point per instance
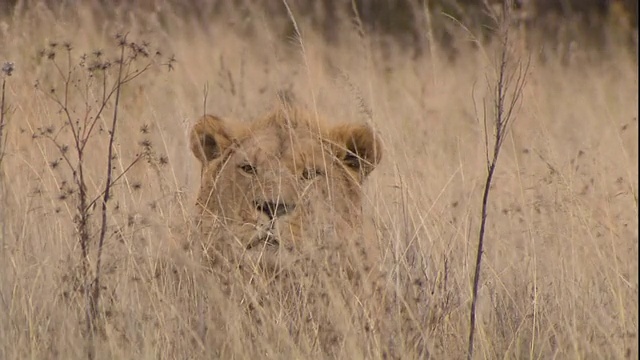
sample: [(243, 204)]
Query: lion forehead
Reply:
[(286, 144)]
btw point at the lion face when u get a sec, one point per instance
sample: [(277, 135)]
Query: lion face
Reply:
[(282, 180)]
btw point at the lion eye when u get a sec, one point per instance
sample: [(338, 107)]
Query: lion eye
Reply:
[(308, 174), (248, 168)]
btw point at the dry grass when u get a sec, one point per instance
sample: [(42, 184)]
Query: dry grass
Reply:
[(560, 273)]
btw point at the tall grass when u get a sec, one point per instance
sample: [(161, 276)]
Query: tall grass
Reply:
[(560, 266)]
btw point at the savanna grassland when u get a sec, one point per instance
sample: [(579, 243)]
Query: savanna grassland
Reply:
[(560, 267)]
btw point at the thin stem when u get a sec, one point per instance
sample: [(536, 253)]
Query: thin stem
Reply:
[(2, 119), (107, 189), (505, 103), (83, 229), (481, 232), (2, 147)]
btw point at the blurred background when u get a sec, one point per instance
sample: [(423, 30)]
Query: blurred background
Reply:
[(559, 24)]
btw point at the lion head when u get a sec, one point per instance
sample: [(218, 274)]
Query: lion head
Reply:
[(281, 180)]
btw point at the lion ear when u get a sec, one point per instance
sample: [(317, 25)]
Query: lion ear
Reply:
[(358, 147), (210, 136)]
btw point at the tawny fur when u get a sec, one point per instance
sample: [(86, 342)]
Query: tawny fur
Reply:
[(311, 172)]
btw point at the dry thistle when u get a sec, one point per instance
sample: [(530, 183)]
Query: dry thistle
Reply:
[(95, 77), (146, 144), (7, 68), (163, 160), (54, 164)]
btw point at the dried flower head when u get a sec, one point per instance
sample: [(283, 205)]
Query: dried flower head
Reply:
[(163, 160), (146, 144), (7, 68), (121, 39)]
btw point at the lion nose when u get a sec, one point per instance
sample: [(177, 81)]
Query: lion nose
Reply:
[(273, 210)]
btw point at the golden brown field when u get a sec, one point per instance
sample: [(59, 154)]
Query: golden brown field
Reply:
[(560, 268)]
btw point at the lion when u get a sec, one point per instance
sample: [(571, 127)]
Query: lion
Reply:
[(284, 192), (273, 184)]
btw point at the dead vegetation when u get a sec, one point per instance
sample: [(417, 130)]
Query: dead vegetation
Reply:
[(560, 269)]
